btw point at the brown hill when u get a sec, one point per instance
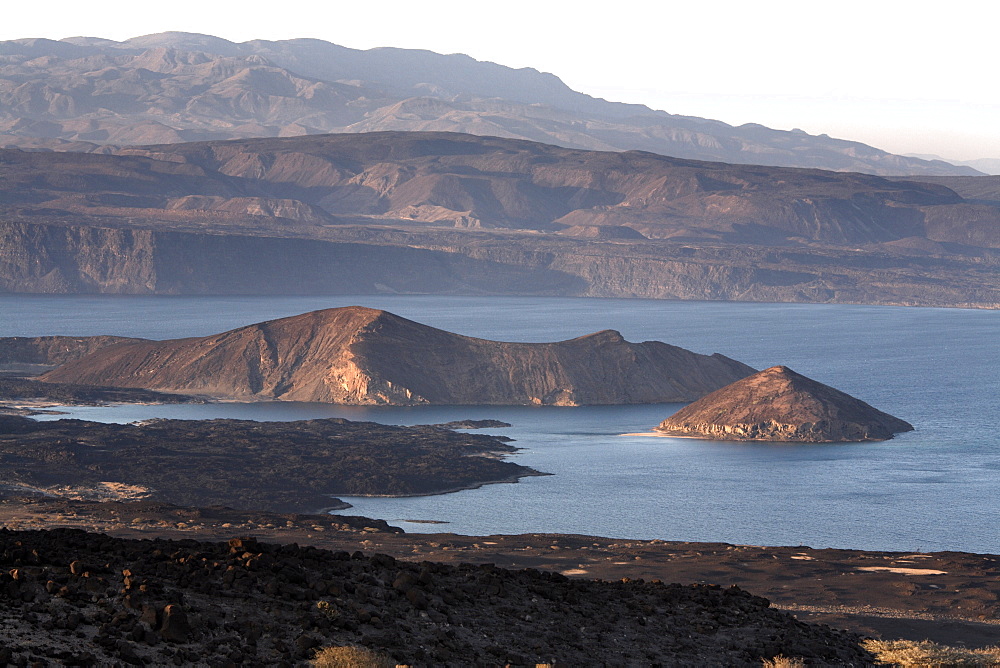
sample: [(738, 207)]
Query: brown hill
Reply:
[(88, 93), (358, 355), (778, 404)]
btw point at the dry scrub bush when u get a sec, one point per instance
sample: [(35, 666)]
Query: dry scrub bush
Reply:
[(926, 654), (784, 662), (351, 657)]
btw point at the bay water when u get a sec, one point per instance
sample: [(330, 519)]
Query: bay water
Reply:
[(936, 488)]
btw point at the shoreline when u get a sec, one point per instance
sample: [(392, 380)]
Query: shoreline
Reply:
[(451, 490)]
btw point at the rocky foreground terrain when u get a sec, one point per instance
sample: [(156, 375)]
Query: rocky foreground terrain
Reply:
[(79, 598), (364, 356), (778, 404), (949, 597)]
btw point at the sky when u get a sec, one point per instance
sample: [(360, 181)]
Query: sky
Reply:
[(905, 77)]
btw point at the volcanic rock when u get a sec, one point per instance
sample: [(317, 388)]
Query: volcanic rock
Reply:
[(239, 612), (778, 404), (364, 356), (274, 466)]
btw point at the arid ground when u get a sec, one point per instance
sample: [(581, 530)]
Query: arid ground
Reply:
[(948, 597)]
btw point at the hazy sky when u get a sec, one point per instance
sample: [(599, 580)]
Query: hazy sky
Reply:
[(902, 76)]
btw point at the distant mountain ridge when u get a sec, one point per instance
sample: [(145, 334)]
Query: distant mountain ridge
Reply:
[(988, 166), (308, 184), (446, 213), (83, 93)]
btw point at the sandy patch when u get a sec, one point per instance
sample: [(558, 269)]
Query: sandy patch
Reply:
[(574, 571), (102, 491), (901, 571), (803, 557)]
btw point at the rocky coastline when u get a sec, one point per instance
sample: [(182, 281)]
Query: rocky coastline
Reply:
[(273, 466)]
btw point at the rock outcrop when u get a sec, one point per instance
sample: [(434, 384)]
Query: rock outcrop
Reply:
[(363, 356), (778, 404)]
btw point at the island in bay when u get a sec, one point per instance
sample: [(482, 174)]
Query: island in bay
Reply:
[(363, 356), (778, 404)]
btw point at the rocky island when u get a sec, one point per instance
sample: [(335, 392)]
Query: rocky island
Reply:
[(364, 356), (778, 404)]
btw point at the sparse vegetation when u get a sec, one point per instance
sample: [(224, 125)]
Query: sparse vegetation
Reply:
[(927, 654), (784, 662), (351, 657), (327, 610)]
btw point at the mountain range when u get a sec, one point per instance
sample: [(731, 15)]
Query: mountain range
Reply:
[(453, 213), (85, 93)]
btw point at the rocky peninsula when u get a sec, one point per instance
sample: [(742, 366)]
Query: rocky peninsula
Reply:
[(363, 356), (242, 464), (778, 404)]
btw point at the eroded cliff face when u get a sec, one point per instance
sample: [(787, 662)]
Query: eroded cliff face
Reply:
[(364, 356), (74, 259), (778, 404)]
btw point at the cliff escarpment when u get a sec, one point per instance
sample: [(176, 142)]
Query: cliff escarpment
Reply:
[(443, 213), (103, 258), (361, 356)]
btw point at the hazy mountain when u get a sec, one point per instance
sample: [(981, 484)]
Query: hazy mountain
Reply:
[(82, 93), (451, 213), (985, 165)]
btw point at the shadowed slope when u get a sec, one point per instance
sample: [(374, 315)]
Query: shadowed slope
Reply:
[(778, 404), (358, 355)]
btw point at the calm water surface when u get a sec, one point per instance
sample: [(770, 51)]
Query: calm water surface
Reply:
[(933, 489)]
